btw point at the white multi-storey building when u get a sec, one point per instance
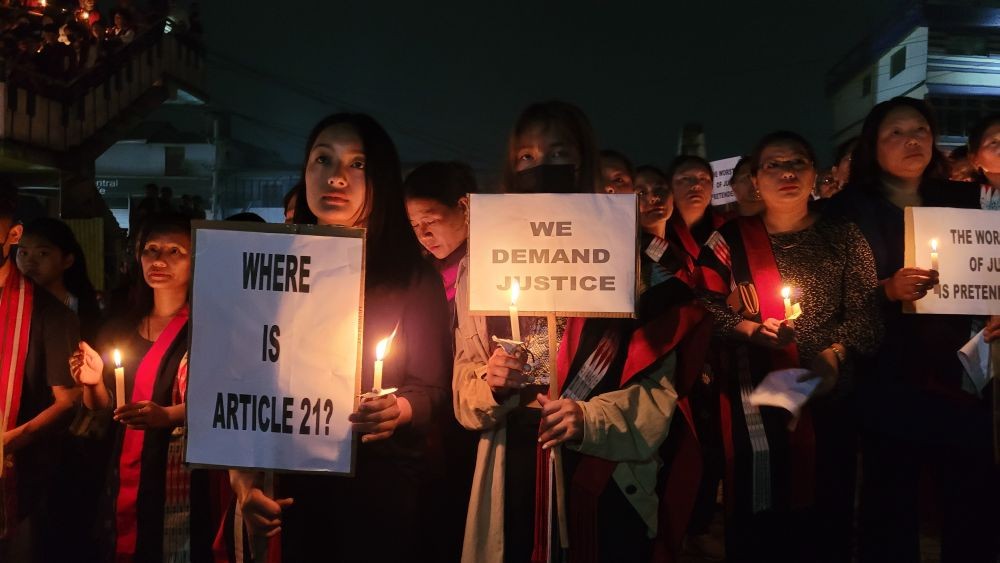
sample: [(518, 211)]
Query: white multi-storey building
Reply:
[(944, 51)]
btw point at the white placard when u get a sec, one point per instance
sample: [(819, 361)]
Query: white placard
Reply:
[(722, 173), (274, 365), (968, 258), (570, 253)]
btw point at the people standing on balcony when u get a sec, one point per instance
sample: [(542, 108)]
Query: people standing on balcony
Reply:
[(123, 30), (915, 412), (984, 156), (86, 13), (54, 58)]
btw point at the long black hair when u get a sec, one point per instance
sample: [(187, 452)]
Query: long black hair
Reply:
[(683, 161), (141, 297), (75, 278), (866, 172), (393, 254), (571, 120), (444, 182)]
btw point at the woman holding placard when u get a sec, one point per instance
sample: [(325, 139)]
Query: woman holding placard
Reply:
[(788, 290), (912, 404), (551, 149), (352, 177), (984, 155), (150, 488)]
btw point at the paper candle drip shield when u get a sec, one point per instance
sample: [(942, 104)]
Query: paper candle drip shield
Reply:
[(792, 311)]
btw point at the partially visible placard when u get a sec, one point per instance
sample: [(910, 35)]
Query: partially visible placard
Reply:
[(722, 174), (963, 245), (275, 358), (571, 254)]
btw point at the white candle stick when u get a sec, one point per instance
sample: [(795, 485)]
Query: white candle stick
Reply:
[(379, 356), (119, 379), (515, 324), (934, 263)]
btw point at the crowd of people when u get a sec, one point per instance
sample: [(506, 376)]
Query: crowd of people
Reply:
[(653, 413), (63, 39)]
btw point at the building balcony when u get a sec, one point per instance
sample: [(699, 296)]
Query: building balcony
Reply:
[(62, 124)]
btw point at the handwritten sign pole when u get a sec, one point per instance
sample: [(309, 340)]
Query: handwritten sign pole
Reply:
[(557, 451)]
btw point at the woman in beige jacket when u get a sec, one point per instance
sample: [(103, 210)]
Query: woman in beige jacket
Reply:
[(621, 426)]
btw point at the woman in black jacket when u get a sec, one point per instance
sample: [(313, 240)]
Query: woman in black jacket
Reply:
[(913, 410)]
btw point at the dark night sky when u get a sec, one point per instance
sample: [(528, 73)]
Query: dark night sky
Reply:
[(448, 78)]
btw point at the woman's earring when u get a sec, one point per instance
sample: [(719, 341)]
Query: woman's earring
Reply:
[(756, 194)]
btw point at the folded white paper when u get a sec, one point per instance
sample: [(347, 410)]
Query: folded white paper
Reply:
[(781, 388), (975, 358)]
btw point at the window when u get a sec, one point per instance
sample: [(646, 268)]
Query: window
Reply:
[(173, 163), (897, 63), (866, 85)]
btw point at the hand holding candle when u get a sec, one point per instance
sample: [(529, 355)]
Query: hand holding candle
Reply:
[(515, 323), (119, 380)]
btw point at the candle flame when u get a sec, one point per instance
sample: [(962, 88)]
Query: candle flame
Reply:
[(86, 15), (382, 348), (786, 292), (933, 245), (118, 358), (515, 291)]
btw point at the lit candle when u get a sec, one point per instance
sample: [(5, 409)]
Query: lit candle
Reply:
[(44, 3), (86, 15), (379, 356), (119, 379), (515, 324), (934, 254)]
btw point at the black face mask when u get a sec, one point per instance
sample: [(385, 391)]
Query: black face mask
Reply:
[(546, 179)]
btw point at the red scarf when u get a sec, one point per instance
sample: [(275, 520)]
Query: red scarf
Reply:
[(649, 343), (767, 281), (130, 461), (16, 302)]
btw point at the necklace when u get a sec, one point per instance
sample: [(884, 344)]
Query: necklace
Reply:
[(798, 238)]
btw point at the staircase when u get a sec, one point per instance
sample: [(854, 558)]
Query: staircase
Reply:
[(66, 125)]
